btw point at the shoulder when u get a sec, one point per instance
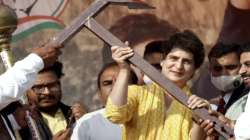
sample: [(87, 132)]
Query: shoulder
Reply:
[(242, 100), (137, 91), (148, 87), (90, 115), (237, 108)]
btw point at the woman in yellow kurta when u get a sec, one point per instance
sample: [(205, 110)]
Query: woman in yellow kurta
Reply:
[(147, 112)]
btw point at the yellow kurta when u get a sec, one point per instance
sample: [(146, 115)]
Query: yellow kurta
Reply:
[(144, 115), (55, 123)]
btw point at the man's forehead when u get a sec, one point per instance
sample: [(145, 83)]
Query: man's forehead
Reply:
[(245, 56), (45, 82), (225, 60), (46, 78)]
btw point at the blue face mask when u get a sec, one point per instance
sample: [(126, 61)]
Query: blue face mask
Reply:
[(226, 83)]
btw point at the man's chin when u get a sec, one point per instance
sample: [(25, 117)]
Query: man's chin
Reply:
[(247, 85)]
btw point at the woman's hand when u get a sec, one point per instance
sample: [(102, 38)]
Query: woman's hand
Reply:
[(121, 54), (197, 102)]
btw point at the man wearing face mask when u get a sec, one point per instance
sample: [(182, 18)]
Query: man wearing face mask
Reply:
[(224, 65), (241, 125)]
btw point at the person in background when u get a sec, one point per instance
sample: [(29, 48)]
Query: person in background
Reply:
[(93, 125), (46, 95), (241, 126), (19, 78), (224, 65), (153, 54), (235, 30)]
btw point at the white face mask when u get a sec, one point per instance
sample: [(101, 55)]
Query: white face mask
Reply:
[(226, 83), (147, 80)]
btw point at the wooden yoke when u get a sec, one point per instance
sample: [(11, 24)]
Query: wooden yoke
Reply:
[(86, 19), (91, 12)]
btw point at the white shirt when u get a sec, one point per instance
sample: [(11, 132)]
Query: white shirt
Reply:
[(242, 126), (94, 126), (16, 80)]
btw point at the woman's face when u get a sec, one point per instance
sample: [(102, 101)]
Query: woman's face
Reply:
[(178, 66)]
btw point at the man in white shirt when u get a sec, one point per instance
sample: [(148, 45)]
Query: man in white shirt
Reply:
[(242, 126), (16, 80), (94, 126), (224, 65)]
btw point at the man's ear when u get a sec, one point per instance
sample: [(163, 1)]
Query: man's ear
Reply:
[(100, 97)]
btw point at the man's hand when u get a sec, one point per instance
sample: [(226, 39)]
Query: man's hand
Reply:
[(49, 53), (62, 135), (208, 126), (78, 110)]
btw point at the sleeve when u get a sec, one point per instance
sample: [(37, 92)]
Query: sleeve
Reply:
[(16, 80), (242, 125), (81, 131), (122, 114)]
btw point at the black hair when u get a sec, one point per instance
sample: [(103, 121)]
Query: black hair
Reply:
[(244, 48), (137, 28), (221, 49), (153, 47), (56, 68), (187, 41), (133, 78)]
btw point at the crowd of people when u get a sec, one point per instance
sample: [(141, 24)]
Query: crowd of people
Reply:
[(134, 107)]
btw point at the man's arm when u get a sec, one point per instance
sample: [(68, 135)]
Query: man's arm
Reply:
[(16, 80)]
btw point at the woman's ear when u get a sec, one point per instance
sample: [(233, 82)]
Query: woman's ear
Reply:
[(162, 63)]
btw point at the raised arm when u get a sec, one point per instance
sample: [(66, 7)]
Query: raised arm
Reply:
[(119, 91), (123, 100), (16, 80)]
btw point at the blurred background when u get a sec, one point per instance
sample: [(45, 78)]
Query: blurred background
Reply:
[(39, 20)]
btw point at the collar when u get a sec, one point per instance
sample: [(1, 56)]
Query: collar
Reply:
[(227, 96)]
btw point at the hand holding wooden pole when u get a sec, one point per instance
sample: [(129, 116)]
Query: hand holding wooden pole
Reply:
[(8, 24)]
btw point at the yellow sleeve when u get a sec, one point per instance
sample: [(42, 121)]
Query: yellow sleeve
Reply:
[(123, 114)]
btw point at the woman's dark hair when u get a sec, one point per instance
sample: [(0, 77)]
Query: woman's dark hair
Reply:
[(187, 41)]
